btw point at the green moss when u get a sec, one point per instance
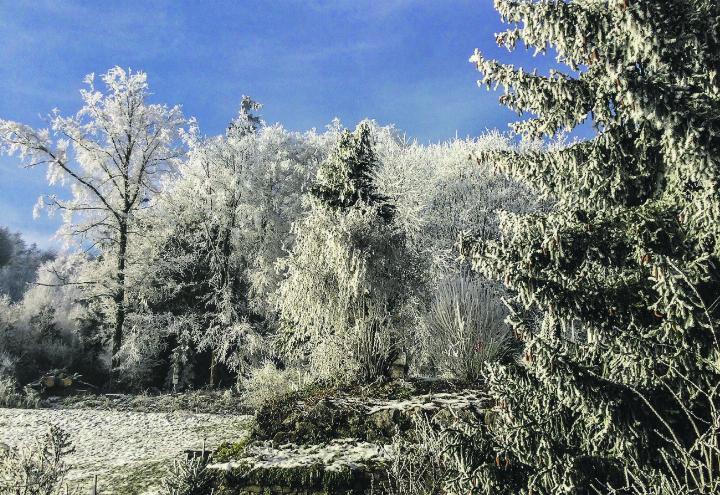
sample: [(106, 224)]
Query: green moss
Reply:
[(228, 451), (295, 477), (319, 415), (312, 477)]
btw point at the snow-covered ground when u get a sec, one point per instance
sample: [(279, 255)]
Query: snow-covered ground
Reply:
[(127, 450)]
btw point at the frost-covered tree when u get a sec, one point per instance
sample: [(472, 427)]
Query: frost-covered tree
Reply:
[(618, 385), (6, 247), (22, 266), (37, 468), (218, 229), (113, 153), (439, 191), (349, 277)]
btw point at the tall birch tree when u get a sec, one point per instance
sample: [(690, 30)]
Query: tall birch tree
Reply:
[(113, 155)]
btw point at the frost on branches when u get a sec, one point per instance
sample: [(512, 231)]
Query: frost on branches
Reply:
[(350, 279), (439, 191), (218, 228), (113, 155), (204, 252), (618, 387)]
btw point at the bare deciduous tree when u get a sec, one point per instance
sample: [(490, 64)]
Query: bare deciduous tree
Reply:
[(113, 153)]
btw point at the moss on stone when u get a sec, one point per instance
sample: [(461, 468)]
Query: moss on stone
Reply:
[(321, 414), (228, 451), (291, 430)]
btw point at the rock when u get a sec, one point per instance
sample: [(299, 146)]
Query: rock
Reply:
[(384, 420), (399, 368)]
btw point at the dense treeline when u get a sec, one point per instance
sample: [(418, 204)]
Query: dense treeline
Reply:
[(203, 261), (19, 264)]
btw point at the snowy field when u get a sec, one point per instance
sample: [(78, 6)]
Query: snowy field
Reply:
[(127, 450)]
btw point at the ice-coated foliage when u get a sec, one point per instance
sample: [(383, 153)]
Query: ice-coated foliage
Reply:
[(55, 325), (346, 177), (465, 327), (346, 301), (267, 382), (439, 191), (38, 468), (618, 388), (113, 154), (213, 240), (12, 396), (200, 245)]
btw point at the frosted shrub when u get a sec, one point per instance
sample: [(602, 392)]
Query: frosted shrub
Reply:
[(329, 355), (187, 477), (268, 382), (39, 468), (417, 466), (11, 396), (465, 328), (7, 363)]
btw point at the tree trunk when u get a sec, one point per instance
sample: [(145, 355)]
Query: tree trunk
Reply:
[(119, 294), (213, 369)]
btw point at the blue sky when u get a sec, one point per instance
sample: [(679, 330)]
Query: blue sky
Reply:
[(308, 61)]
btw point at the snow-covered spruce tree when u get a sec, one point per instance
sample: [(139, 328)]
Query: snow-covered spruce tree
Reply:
[(344, 303), (617, 387)]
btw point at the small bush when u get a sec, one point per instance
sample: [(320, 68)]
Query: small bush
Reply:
[(417, 466), (187, 477), (465, 328), (38, 469), (268, 382), (11, 396), (444, 454), (230, 451)]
